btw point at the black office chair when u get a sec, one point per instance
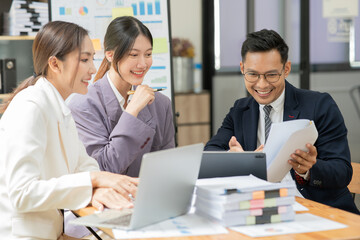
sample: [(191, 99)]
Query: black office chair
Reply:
[(355, 97)]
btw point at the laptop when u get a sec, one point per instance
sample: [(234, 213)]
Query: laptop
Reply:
[(167, 180), (226, 164)]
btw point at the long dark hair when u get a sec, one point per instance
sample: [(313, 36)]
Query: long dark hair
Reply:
[(120, 37), (56, 39)]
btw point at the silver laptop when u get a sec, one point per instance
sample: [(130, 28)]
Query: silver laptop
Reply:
[(167, 180), (226, 164)]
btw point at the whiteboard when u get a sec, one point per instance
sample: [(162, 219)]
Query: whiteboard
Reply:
[(95, 16)]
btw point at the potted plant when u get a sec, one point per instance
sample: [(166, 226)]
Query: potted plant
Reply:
[(183, 54)]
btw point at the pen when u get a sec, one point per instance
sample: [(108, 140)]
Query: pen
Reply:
[(154, 89)]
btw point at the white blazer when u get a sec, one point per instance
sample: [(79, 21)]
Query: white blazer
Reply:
[(43, 165)]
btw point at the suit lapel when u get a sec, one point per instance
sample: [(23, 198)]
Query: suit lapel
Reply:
[(113, 108), (111, 103), (291, 111), (250, 122), (62, 145), (63, 116), (146, 117)]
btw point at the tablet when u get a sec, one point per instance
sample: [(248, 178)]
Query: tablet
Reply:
[(226, 164)]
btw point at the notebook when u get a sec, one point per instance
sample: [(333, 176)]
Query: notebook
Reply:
[(227, 164), (167, 180)]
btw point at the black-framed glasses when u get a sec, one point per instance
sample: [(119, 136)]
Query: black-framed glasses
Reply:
[(270, 77)]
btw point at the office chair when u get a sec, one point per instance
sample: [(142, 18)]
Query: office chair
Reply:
[(354, 185), (356, 99)]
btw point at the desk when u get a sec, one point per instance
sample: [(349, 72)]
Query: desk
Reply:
[(350, 219)]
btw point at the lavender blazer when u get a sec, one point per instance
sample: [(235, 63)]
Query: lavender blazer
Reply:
[(116, 139)]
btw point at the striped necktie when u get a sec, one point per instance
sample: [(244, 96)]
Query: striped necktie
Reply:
[(267, 110)]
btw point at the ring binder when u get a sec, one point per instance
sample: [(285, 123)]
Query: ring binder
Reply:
[(7, 75)]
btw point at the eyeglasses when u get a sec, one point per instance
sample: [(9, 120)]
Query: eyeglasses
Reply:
[(270, 77)]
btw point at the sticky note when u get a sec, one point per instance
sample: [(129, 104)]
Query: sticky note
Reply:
[(258, 195), (250, 220), (244, 205), (96, 44), (123, 11), (283, 192), (160, 45), (271, 202), (275, 218)]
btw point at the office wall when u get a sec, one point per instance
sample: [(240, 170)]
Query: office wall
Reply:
[(186, 23)]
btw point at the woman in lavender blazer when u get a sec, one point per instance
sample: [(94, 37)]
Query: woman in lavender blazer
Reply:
[(117, 129)]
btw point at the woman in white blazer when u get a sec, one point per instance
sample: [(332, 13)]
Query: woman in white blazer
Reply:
[(43, 165)]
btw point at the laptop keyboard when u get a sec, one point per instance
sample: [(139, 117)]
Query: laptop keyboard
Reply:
[(116, 217), (122, 220)]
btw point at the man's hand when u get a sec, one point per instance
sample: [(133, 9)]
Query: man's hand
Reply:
[(235, 146), (302, 161)]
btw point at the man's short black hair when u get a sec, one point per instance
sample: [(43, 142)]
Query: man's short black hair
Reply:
[(263, 41)]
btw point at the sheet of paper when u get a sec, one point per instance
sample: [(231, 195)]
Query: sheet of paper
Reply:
[(246, 181), (298, 207), (284, 139), (186, 225), (303, 223), (340, 8)]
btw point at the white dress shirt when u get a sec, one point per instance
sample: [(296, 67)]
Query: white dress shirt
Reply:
[(276, 116), (118, 96)]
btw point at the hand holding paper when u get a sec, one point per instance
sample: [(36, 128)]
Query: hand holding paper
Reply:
[(302, 161), (284, 139)]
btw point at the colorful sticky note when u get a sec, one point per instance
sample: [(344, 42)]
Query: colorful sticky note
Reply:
[(123, 11), (160, 45), (96, 44), (271, 202), (283, 192), (258, 195)]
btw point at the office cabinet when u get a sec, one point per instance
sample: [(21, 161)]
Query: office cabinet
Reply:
[(193, 120)]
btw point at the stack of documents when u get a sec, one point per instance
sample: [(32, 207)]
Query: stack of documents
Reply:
[(245, 200), (26, 17)]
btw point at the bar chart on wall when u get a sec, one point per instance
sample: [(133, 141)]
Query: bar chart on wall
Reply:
[(149, 8), (96, 15)]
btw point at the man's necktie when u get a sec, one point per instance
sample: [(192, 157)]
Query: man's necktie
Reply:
[(267, 110)]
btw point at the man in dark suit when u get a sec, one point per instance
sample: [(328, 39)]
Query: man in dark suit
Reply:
[(323, 172)]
